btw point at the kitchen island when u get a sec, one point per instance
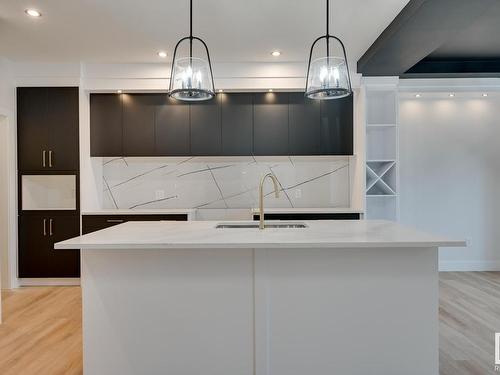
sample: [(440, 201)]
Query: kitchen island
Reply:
[(335, 297)]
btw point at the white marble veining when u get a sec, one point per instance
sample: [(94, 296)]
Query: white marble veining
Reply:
[(224, 183), (203, 234)]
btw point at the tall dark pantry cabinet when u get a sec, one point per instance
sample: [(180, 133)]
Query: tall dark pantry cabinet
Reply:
[(48, 180)]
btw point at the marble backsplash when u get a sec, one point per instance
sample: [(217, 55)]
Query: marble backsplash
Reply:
[(224, 183)]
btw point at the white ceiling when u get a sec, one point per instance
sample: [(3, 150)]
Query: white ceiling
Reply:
[(132, 31)]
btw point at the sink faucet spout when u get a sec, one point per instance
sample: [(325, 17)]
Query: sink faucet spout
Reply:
[(261, 196)]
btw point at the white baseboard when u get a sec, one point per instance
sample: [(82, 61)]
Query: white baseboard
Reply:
[(48, 282), (448, 266)]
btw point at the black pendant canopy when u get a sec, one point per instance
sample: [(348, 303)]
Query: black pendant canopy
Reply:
[(328, 75), (191, 78)]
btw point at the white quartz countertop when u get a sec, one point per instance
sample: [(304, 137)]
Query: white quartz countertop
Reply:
[(317, 210), (172, 211), (203, 234)]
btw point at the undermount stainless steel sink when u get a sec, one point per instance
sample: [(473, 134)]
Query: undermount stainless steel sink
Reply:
[(252, 225)]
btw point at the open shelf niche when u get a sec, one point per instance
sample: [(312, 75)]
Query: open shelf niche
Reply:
[(382, 154)]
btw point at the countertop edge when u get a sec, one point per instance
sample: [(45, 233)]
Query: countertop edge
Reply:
[(338, 245)]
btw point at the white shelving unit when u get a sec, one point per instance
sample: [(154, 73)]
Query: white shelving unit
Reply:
[(382, 154)]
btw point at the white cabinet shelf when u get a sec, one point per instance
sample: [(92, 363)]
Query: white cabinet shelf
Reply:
[(382, 153)]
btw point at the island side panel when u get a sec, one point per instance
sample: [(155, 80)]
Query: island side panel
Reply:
[(183, 311), (347, 311)]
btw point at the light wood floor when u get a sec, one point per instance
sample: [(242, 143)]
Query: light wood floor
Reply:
[(42, 335), (41, 331)]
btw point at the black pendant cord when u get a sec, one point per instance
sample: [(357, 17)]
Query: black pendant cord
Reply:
[(191, 30), (327, 28)]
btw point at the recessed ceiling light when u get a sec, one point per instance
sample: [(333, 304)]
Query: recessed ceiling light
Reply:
[(162, 54), (418, 96), (485, 95), (452, 95), (33, 13), (276, 53), (270, 90), (119, 91)]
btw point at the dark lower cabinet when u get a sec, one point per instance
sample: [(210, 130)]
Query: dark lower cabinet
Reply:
[(37, 235), (92, 223), (310, 216)]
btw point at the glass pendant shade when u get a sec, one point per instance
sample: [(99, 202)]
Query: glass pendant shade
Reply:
[(328, 78), (328, 74), (191, 79)]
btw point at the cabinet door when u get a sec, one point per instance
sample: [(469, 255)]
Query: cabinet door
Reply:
[(172, 127), (63, 120), (206, 128), (237, 124), (304, 116), (337, 126), (33, 246), (106, 125), (32, 128), (139, 124), (63, 263), (270, 126)]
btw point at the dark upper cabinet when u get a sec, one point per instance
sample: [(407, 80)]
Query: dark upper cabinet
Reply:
[(270, 126), (32, 128), (237, 123), (139, 124), (206, 128), (337, 126), (63, 119), (230, 124), (304, 125), (172, 127), (106, 133), (37, 235), (47, 123)]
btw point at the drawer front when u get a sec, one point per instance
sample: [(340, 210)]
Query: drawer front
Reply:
[(92, 223), (310, 216)]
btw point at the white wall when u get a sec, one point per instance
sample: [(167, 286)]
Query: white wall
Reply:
[(450, 172), (8, 214)]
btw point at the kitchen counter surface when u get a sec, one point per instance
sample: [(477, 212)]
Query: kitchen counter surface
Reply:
[(203, 234)]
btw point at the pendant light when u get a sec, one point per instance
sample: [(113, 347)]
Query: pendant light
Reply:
[(328, 76), (191, 78)]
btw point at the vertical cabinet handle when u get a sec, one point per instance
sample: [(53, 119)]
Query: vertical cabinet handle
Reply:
[(50, 158), (44, 227), (50, 228), (44, 164)]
